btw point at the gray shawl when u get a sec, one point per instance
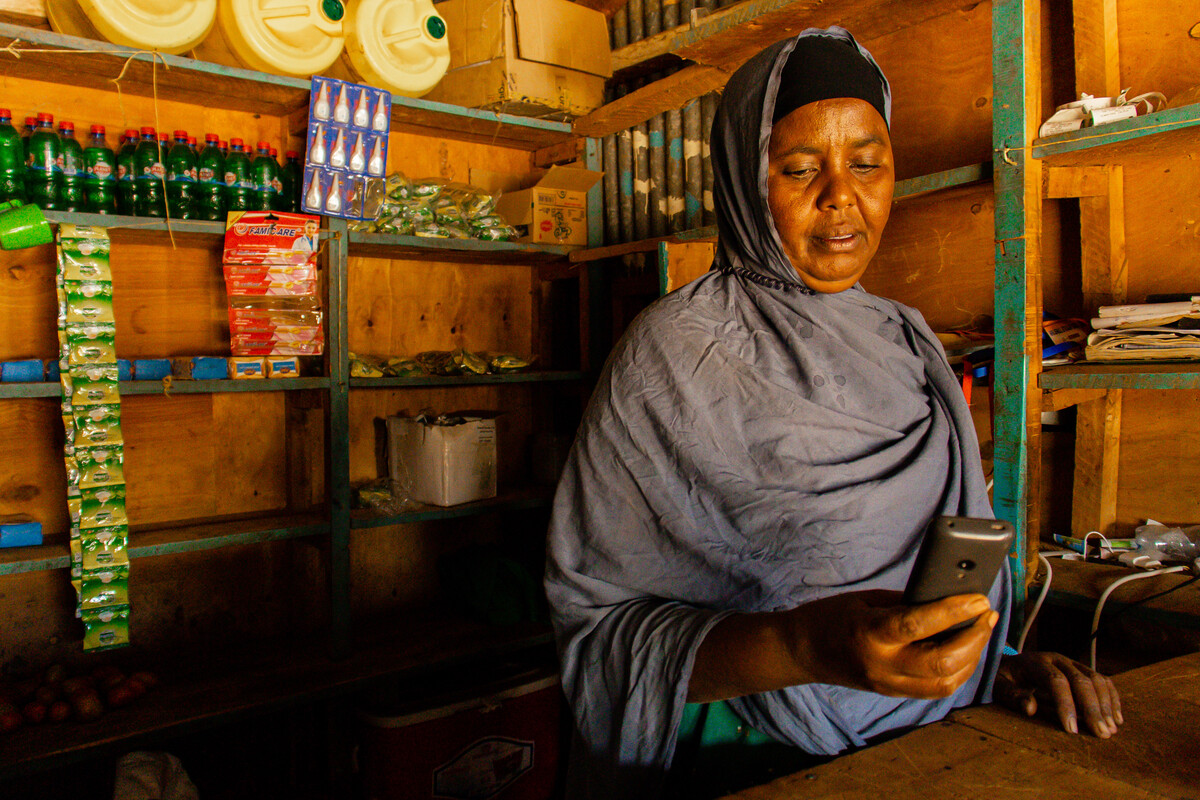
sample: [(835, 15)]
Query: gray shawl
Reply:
[(748, 448)]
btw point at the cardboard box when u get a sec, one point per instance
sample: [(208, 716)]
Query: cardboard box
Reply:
[(443, 465), (533, 58), (554, 209), (500, 741)]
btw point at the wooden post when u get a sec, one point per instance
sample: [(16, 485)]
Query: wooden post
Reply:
[(1104, 276), (1016, 113)]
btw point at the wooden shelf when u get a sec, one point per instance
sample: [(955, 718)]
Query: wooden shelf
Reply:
[(509, 501), (940, 181), (146, 541), (1079, 584), (220, 689), (446, 381), (126, 388), (123, 223), (1126, 375), (722, 41), (97, 64), (1165, 134), (387, 245)]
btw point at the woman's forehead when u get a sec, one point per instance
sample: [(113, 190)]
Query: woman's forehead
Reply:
[(845, 120)]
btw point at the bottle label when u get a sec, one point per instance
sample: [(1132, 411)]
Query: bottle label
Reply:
[(206, 174), (47, 163), (230, 179), (155, 171), (123, 174), (101, 171), (184, 176)]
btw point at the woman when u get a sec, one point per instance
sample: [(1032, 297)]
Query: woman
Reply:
[(760, 458)]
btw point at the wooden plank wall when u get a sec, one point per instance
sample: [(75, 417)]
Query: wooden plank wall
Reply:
[(1158, 50)]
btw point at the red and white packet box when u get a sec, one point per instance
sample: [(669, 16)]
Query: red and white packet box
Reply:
[(280, 238)]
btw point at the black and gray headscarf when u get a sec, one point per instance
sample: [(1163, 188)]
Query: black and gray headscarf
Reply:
[(750, 446)]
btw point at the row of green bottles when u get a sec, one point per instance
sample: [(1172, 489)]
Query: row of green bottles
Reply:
[(147, 176), (52, 170)]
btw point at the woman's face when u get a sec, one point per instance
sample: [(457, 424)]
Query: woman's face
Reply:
[(829, 187)]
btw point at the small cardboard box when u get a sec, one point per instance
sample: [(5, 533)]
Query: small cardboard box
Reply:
[(555, 208), (443, 465), (532, 58)]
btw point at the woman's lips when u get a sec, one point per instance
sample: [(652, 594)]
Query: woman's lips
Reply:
[(837, 242)]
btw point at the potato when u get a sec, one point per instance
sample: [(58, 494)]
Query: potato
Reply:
[(10, 720), (34, 712), (59, 711), (87, 706), (72, 686), (123, 693), (55, 674), (147, 679), (108, 676), (46, 694)]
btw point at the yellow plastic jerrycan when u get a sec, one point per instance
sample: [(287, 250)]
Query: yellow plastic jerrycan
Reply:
[(398, 45), (172, 26), (284, 37)]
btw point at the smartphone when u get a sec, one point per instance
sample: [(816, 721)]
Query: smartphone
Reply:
[(959, 555)]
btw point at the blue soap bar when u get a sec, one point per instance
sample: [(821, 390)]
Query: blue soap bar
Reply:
[(209, 368), (124, 369), (20, 534), (151, 369), (52, 371), (30, 371)]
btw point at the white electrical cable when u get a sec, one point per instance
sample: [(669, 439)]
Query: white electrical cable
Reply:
[(1111, 588), (1044, 560)]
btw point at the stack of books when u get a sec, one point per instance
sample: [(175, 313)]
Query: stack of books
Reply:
[(1152, 331)]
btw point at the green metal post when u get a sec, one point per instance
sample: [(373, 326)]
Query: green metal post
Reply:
[(1010, 373)]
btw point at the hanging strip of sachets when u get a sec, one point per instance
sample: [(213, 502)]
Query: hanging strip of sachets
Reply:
[(95, 449)]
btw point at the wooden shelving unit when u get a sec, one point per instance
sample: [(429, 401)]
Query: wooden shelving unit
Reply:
[(340, 654)]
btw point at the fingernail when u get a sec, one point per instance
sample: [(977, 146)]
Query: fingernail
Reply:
[(1112, 724), (1072, 726), (979, 605), (993, 619), (1120, 718)]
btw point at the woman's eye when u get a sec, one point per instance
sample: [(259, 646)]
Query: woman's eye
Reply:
[(865, 167), (800, 172)]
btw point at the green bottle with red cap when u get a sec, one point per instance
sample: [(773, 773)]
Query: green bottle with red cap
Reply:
[(239, 180), (210, 178), (43, 176), (126, 171), (266, 179), (100, 182), (71, 192), (12, 160), (149, 195), (181, 178)]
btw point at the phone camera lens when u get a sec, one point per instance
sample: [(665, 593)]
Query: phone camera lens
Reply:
[(966, 563)]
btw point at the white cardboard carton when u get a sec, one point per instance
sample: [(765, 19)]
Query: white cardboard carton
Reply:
[(443, 465)]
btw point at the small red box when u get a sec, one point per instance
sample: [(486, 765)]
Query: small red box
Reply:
[(500, 742)]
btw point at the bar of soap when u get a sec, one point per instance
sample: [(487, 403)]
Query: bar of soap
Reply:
[(151, 369), (19, 530), (27, 371), (247, 367)]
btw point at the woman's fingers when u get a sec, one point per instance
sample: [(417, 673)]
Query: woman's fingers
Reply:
[(1075, 691), (905, 624), (927, 668)]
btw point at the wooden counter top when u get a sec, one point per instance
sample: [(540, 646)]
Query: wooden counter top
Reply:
[(991, 754)]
